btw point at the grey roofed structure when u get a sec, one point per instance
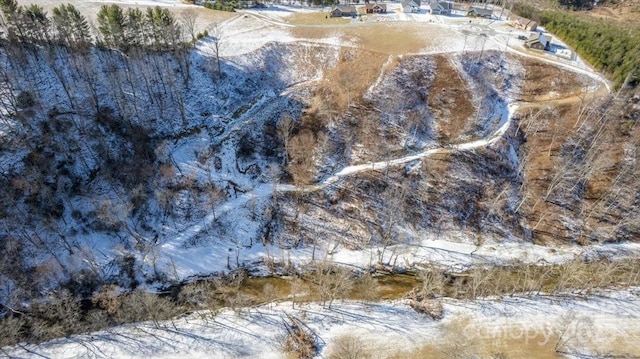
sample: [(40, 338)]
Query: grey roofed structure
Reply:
[(411, 6), (480, 12), (441, 8), (344, 10), (538, 41)]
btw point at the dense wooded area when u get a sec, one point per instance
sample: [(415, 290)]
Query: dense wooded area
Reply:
[(612, 47)]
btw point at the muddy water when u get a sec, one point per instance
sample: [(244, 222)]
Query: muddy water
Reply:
[(394, 286), (386, 287)]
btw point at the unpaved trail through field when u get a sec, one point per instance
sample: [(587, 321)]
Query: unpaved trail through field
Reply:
[(261, 192)]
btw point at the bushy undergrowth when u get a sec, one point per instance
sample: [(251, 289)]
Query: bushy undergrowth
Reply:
[(577, 276), (300, 342)]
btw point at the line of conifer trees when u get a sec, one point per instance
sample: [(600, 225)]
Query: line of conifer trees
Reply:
[(32, 24), (155, 29)]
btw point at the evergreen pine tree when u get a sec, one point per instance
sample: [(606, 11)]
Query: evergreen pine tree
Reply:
[(112, 27), (71, 28), (37, 24)]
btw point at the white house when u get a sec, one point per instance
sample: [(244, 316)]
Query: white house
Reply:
[(441, 8), (411, 6)]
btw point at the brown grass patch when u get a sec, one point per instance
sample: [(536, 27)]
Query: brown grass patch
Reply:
[(467, 337), (343, 85), (486, 348), (450, 102), (544, 82), (547, 130), (623, 11), (315, 18), (464, 337), (356, 71), (393, 39), (302, 150)]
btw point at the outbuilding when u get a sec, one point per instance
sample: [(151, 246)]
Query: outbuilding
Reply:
[(340, 11), (480, 12), (441, 8)]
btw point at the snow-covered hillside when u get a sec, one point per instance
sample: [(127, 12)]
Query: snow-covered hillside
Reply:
[(152, 168), (263, 150)]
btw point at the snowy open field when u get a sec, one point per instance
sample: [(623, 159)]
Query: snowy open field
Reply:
[(601, 325)]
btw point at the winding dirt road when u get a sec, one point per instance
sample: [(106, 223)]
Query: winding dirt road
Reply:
[(265, 190)]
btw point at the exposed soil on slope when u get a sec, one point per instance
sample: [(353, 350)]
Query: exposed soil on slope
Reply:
[(543, 82), (341, 87), (578, 157), (450, 101)]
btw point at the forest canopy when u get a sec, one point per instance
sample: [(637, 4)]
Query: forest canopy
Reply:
[(610, 46)]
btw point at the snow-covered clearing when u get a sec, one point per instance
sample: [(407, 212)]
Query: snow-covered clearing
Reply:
[(600, 324)]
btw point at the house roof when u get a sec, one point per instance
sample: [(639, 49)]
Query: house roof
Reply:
[(481, 11), (534, 36), (443, 5), (371, 6), (522, 20), (412, 3), (345, 8), (538, 37)]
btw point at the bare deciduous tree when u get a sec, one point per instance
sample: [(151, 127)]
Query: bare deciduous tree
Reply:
[(300, 342), (216, 36), (433, 283), (332, 282), (347, 347), (284, 128), (189, 19), (214, 196), (274, 172), (368, 288), (298, 286)]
